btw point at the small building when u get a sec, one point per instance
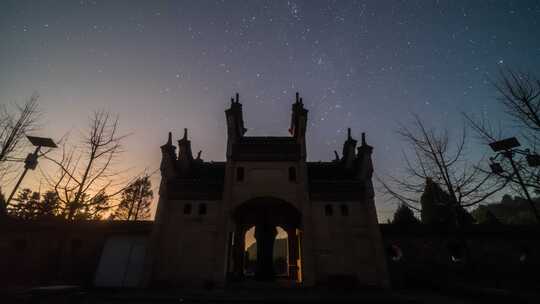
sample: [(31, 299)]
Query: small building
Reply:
[(326, 209)]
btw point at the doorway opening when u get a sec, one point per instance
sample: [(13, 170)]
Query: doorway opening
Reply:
[(267, 243), (280, 260)]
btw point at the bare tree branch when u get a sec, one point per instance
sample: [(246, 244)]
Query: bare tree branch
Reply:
[(438, 156), (87, 179), (13, 128)]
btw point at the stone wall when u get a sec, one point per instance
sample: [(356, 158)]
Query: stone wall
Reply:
[(187, 251), (56, 252), (265, 179), (495, 256), (344, 242), (51, 252)]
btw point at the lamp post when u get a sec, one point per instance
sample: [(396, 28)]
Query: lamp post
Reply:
[(31, 160), (507, 148)]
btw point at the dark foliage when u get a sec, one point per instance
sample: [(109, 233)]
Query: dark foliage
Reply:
[(404, 216), (136, 200), (438, 208), (510, 210), (31, 205)]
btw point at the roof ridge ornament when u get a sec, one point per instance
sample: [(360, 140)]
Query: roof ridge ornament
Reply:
[(364, 139), (299, 100), (185, 134), (169, 139)]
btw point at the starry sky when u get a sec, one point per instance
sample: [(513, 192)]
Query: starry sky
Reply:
[(168, 65)]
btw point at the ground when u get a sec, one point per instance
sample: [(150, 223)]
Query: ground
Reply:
[(267, 295)]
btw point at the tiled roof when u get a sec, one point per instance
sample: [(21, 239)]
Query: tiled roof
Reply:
[(266, 148), (330, 181)]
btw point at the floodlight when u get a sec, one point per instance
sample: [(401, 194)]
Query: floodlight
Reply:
[(496, 168), (505, 144), (31, 161), (533, 160)]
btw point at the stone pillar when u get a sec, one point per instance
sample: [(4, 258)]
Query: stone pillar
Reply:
[(239, 249), (265, 234), (292, 240)]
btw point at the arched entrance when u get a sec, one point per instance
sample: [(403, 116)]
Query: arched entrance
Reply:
[(265, 215)]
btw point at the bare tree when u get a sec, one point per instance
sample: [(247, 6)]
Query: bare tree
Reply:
[(519, 95), (13, 127), (435, 156), (87, 178)]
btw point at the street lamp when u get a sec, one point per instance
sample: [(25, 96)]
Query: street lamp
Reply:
[(508, 148), (31, 160)]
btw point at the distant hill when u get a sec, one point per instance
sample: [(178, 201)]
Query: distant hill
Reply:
[(510, 210)]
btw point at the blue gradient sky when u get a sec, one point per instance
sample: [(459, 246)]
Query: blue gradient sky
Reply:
[(167, 65)]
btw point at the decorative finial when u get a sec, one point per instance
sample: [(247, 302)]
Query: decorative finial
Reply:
[(297, 97), (169, 140), (199, 155), (301, 101), (364, 139), (337, 155), (185, 134), (232, 101), (237, 97), (349, 133)]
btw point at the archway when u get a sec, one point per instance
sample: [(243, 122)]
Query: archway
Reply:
[(265, 215)]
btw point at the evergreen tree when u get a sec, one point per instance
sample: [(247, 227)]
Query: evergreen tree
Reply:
[(404, 216), (439, 209), (435, 205), (25, 205), (136, 200), (94, 207), (28, 205), (49, 206), (483, 215)]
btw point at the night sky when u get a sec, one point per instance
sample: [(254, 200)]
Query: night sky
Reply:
[(168, 65)]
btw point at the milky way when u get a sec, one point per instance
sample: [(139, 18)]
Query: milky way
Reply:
[(166, 65)]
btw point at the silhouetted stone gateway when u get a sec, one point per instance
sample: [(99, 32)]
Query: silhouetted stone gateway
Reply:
[(266, 182)]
